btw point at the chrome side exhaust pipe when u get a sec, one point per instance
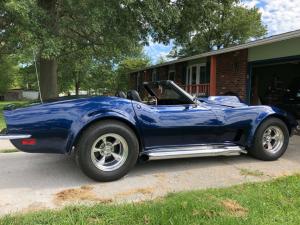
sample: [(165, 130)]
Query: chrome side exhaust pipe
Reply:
[(192, 152)]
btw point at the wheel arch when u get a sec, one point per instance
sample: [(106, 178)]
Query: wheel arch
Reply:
[(115, 118), (284, 119), (275, 115)]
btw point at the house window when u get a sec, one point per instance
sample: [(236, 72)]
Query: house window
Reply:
[(155, 75), (183, 75), (138, 80), (171, 75), (204, 75), (197, 74), (187, 81), (194, 75)]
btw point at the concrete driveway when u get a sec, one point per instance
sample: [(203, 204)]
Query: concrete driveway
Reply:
[(30, 182)]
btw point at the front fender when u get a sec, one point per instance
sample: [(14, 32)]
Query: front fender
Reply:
[(266, 112)]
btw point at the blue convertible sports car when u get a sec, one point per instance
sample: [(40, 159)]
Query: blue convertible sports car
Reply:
[(109, 134)]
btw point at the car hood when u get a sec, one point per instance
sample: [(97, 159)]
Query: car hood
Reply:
[(226, 101)]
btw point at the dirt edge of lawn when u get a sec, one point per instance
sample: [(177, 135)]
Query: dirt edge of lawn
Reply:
[(271, 202)]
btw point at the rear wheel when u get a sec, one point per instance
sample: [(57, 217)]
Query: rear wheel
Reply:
[(271, 140), (107, 150)]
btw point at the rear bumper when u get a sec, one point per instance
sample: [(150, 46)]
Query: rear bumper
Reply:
[(5, 136)]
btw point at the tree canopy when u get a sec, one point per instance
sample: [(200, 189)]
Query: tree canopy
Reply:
[(93, 44), (127, 66), (8, 72), (205, 25), (55, 29)]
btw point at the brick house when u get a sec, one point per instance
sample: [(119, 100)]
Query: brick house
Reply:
[(249, 70)]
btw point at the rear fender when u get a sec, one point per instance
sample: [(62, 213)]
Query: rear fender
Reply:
[(79, 126)]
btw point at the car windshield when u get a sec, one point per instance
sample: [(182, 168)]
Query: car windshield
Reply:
[(163, 92), (168, 93)]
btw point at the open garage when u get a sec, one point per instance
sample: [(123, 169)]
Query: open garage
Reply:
[(278, 84), (275, 78)]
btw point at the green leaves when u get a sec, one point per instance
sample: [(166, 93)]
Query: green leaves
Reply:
[(84, 36), (208, 24), (125, 68), (109, 28), (8, 71), (90, 38)]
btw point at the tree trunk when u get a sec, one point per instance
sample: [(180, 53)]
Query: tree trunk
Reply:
[(48, 78), (48, 67), (77, 87)]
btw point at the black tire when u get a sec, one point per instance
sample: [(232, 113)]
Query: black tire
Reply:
[(85, 144), (257, 149)]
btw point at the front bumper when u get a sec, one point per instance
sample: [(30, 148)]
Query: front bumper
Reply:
[(296, 131), (5, 136)]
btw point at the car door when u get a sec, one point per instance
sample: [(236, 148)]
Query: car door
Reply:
[(176, 125)]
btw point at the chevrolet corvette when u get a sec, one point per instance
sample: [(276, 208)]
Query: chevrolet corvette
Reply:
[(110, 134)]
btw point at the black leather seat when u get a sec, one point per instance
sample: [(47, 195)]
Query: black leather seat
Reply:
[(120, 94), (134, 95)]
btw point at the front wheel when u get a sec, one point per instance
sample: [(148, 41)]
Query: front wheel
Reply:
[(107, 150), (271, 140)]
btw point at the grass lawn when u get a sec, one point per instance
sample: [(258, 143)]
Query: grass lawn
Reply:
[(273, 202), (2, 122), (8, 150), (2, 104)]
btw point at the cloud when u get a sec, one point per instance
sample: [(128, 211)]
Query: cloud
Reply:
[(250, 3), (280, 16), (157, 50)]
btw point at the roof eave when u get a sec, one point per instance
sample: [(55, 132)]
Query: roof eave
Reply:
[(268, 40)]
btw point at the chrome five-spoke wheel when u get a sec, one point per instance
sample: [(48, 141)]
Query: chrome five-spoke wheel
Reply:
[(273, 139), (109, 152)]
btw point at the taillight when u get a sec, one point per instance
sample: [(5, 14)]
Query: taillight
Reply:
[(30, 141)]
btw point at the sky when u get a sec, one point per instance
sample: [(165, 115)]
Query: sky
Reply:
[(279, 16)]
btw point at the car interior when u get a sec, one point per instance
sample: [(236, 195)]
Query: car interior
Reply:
[(159, 93)]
